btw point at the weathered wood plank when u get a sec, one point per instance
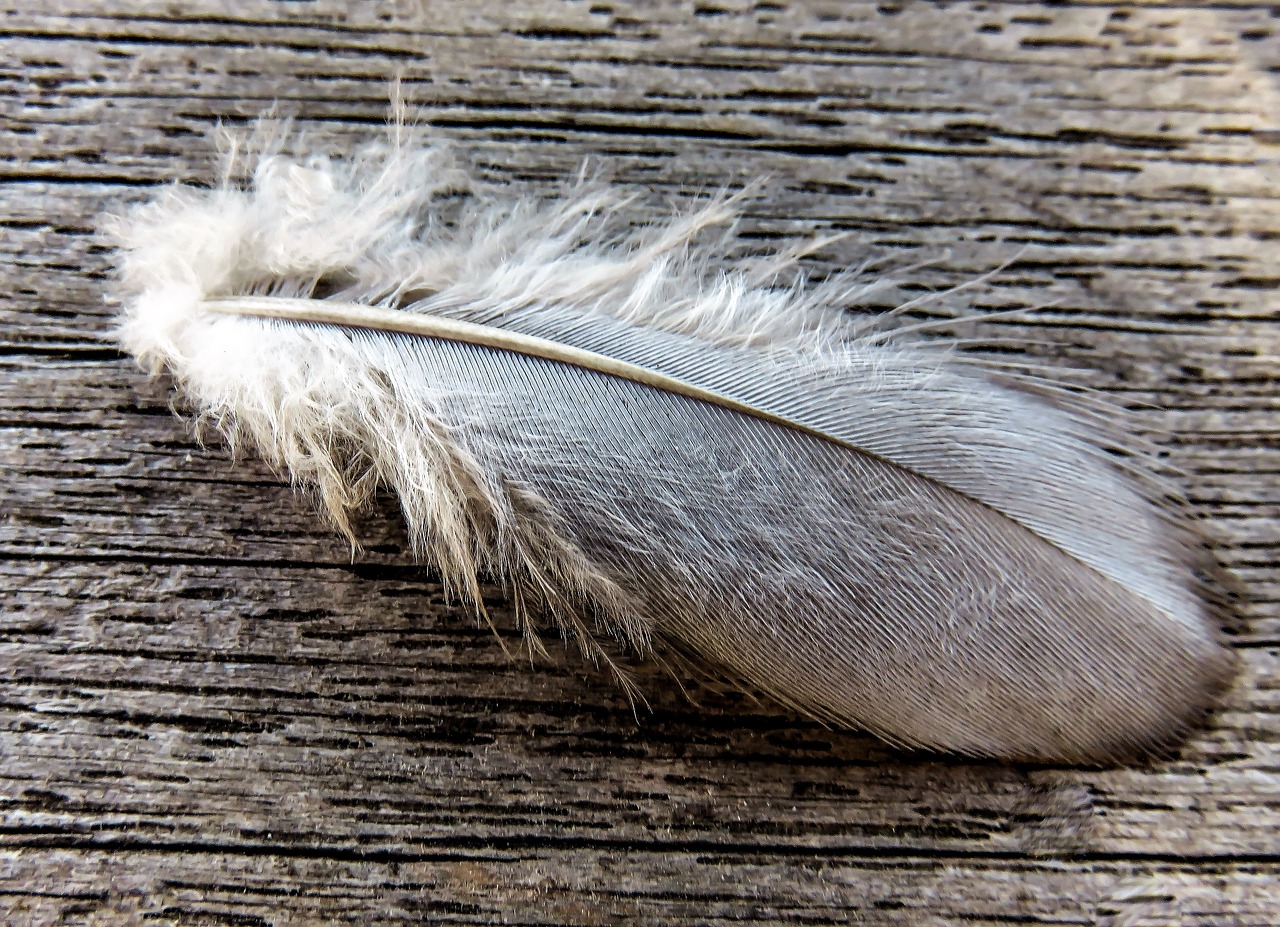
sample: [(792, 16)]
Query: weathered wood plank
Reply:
[(210, 714), (549, 886), (616, 886)]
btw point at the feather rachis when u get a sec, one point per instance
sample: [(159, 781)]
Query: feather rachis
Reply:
[(598, 523)]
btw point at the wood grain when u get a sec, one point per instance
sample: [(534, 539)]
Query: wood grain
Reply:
[(210, 713)]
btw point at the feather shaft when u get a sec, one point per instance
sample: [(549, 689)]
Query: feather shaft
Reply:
[(375, 318), (379, 319)]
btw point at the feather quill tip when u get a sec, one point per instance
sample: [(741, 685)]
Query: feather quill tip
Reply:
[(644, 447)]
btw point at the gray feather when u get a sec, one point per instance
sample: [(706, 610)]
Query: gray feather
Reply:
[(864, 529)]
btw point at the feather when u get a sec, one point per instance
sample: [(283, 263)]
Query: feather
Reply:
[(642, 448)]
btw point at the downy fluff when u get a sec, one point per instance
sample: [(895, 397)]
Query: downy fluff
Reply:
[(857, 524)]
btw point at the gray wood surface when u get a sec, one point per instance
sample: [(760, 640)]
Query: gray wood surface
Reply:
[(209, 714)]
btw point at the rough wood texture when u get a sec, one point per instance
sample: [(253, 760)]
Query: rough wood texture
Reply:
[(210, 715)]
